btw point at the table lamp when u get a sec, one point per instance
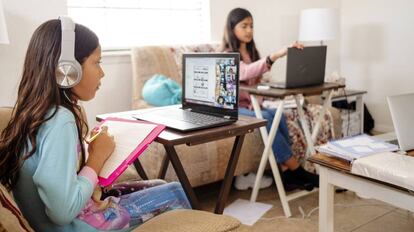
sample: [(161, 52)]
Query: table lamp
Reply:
[(318, 24), (4, 38)]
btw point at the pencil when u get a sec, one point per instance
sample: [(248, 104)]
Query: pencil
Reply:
[(93, 137)]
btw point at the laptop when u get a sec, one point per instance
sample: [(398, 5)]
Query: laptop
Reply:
[(304, 68), (402, 114), (210, 94)]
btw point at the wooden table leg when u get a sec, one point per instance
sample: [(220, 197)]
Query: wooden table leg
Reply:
[(228, 178), (140, 169), (164, 167), (179, 170)]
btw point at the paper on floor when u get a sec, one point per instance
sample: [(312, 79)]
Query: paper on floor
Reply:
[(247, 212)]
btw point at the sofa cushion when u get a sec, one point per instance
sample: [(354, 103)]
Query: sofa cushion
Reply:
[(11, 219), (5, 113), (182, 220)]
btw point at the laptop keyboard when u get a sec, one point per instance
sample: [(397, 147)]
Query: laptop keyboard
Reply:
[(197, 118)]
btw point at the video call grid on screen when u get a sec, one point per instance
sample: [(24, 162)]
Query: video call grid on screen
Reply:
[(211, 81)]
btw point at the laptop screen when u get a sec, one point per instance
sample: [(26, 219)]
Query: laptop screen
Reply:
[(211, 79)]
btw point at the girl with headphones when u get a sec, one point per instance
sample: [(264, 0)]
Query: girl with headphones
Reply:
[(42, 153)]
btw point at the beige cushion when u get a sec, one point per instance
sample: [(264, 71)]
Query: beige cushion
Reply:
[(11, 219), (190, 221), (5, 113)]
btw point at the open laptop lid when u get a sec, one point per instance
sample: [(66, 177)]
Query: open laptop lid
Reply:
[(211, 83), (305, 67), (402, 114)]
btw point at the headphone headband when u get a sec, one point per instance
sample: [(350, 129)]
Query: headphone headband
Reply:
[(68, 71), (68, 39)]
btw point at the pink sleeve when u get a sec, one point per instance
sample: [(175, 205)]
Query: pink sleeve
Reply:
[(253, 70), (90, 174)]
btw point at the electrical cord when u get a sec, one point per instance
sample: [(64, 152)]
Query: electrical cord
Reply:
[(309, 214), (349, 113)]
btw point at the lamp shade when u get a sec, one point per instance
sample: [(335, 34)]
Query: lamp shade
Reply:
[(4, 38), (318, 24)]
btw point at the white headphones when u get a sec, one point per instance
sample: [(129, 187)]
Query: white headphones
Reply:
[(68, 70)]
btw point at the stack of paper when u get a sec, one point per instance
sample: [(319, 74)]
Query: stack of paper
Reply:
[(355, 147)]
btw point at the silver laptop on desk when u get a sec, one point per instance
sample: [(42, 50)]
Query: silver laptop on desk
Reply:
[(304, 68), (402, 114), (210, 94)]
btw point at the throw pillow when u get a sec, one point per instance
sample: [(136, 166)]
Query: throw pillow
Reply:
[(160, 90)]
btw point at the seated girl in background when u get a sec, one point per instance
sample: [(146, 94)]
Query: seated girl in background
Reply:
[(238, 37), (42, 153)]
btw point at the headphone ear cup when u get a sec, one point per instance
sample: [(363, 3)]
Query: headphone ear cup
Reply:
[(68, 71), (68, 74)]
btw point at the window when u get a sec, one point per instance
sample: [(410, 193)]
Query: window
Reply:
[(121, 24)]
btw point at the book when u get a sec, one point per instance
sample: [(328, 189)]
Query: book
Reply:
[(132, 137), (355, 147)]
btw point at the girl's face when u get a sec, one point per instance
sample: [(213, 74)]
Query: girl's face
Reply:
[(92, 74), (244, 30)]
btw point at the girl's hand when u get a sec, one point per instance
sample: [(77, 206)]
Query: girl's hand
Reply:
[(282, 52), (100, 149)]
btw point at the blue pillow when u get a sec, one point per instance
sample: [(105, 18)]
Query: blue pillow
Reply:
[(161, 91)]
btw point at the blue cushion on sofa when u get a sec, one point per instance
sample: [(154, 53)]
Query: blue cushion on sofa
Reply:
[(160, 90)]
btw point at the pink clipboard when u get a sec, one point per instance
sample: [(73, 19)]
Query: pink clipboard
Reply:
[(134, 154)]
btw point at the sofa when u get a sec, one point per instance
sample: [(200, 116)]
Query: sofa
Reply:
[(12, 220), (206, 163)]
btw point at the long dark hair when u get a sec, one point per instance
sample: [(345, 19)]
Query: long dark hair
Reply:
[(39, 93), (230, 41)]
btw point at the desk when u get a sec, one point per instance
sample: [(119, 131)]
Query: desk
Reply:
[(170, 138), (337, 172), (326, 88)]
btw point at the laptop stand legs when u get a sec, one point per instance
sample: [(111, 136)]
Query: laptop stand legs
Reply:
[(305, 126), (140, 170), (179, 170), (228, 177), (164, 167), (268, 155)]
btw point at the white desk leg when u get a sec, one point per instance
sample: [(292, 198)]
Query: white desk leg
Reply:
[(268, 155), (305, 127), (280, 188), (326, 202), (360, 109), (321, 115)]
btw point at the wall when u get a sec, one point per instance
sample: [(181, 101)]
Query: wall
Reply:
[(377, 52), (22, 18), (276, 25)]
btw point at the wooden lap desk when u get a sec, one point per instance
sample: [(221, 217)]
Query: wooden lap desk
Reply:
[(326, 88), (170, 138), (337, 172)]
